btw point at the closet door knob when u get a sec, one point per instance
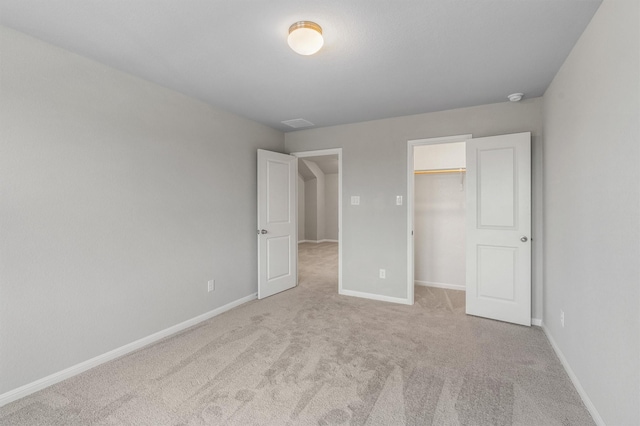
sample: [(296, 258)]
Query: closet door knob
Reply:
[(524, 239)]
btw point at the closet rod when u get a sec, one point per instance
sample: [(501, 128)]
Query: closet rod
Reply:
[(438, 171)]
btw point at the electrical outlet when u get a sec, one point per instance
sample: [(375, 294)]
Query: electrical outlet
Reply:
[(383, 273), (562, 318), (211, 285), (355, 200)]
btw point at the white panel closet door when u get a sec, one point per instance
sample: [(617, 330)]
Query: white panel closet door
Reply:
[(277, 223), (499, 228)]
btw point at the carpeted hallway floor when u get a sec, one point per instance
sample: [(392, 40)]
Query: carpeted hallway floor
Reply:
[(311, 357)]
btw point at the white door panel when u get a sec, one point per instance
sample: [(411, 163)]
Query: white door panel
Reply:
[(495, 184), (277, 222), (499, 228)]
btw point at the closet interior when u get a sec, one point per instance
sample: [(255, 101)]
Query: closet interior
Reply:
[(439, 215)]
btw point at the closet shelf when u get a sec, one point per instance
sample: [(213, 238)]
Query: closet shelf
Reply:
[(438, 171)]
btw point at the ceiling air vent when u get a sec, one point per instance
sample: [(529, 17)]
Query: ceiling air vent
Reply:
[(297, 123)]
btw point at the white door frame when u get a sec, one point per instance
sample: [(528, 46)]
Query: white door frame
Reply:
[(338, 152), (410, 202)]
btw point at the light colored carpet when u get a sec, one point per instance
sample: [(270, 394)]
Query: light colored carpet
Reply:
[(310, 356)]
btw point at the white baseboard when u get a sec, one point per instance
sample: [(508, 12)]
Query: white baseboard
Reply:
[(54, 378), (440, 285), (536, 321), (374, 297), (317, 241), (574, 379)]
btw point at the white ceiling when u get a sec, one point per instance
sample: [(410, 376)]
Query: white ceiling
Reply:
[(380, 59)]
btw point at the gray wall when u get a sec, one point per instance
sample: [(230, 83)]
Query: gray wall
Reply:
[(374, 165), (119, 200), (320, 207), (311, 209), (592, 211), (301, 211), (314, 203), (331, 206)]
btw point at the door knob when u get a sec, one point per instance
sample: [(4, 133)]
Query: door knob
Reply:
[(524, 239), (262, 231)]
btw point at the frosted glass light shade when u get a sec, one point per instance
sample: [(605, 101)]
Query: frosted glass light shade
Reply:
[(305, 37)]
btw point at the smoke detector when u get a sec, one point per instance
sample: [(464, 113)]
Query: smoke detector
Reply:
[(515, 97)]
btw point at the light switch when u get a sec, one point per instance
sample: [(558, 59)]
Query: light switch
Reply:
[(355, 200), (399, 200)]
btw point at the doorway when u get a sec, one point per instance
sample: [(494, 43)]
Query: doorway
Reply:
[(319, 197), (497, 226), (430, 252)]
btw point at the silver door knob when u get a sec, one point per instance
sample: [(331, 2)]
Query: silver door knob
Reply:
[(263, 231), (524, 239)]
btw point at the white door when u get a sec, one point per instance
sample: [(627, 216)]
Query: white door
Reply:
[(499, 228), (277, 223)]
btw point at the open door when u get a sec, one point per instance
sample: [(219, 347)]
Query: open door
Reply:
[(277, 223), (498, 226)]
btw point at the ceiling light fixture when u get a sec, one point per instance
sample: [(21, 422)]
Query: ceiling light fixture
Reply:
[(305, 37), (515, 97)]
